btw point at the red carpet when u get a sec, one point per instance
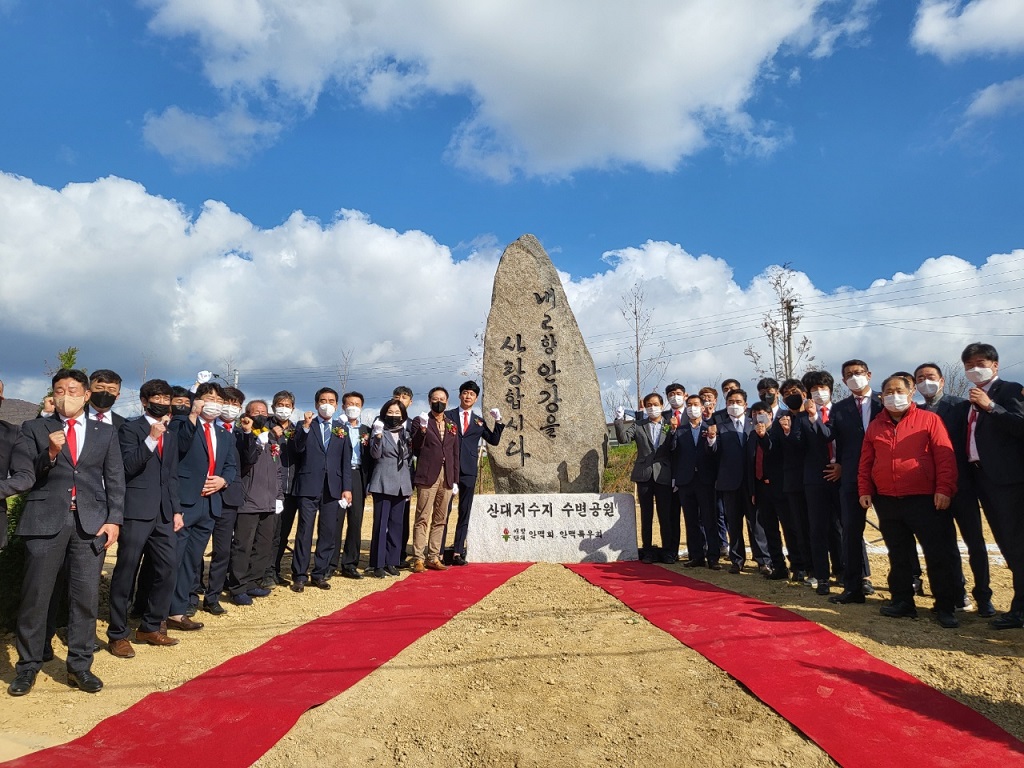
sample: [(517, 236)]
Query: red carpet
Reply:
[(860, 710), (234, 713)]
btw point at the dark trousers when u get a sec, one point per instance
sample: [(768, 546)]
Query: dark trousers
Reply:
[(155, 538), (856, 567), (1003, 505), (697, 502), (967, 515), (795, 528), (191, 546), (771, 506), (323, 512), (464, 504), (824, 532), (349, 542), (223, 533), (386, 539), (44, 556), (282, 530), (251, 551), (650, 495), (407, 528), (901, 519), (739, 509), (721, 524)]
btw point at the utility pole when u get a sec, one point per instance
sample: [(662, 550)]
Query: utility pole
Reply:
[(789, 338), (235, 385)]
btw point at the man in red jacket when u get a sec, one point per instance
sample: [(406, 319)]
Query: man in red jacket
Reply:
[(908, 469)]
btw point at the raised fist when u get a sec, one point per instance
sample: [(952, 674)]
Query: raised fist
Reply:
[(495, 414), (246, 424), (307, 419), (57, 440)]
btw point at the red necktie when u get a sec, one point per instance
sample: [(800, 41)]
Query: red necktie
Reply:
[(160, 446), (831, 444), (209, 449), (465, 422), (73, 450), (759, 463), (677, 418), (972, 420), (99, 416)]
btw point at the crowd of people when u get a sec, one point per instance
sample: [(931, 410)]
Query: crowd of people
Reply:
[(794, 474), (207, 468)]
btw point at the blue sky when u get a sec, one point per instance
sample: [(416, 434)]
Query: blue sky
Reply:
[(853, 139)]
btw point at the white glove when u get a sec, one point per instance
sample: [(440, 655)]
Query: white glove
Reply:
[(203, 377), (278, 507), (263, 437), (378, 427), (422, 419), (620, 413), (455, 490), (495, 414), (343, 504)]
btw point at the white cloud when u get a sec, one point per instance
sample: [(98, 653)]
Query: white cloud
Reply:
[(227, 138), (997, 99), (551, 88), (131, 278), (951, 29)]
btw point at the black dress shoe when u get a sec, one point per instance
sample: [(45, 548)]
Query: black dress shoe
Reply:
[(1009, 620), (715, 566), (985, 609), (85, 681), (298, 586), (798, 576), (822, 588), (191, 611), (780, 575), (899, 610), (646, 559), (322, 583), (391, 570), (867, 588), (22, 683), (281, 581), (947, 620), (377, 573), (847, 597), (215, 608), (458, 560), (734, 568), (349, 572), (693, 564)]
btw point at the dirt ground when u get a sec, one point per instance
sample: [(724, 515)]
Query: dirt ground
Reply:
[(546, 670)]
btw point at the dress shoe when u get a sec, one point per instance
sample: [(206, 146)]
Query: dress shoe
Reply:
[(258, 592), (215, 608), (391, 570), (267, 582), (121, 648), (191, 611), (184, 624), (22, 683), (436, 565), (779, 575), (764, 570), (406, 565), (669, 559), (459, 560), (350, 572), (281, 581), (242, 599), (86, 680), (798, 576), (321, 583), (48, 651), (867, 587), (298, 586), (646, 559), (155, 638), (715, 566), (734, 568), (377, 573), (693, 564), (822, 588), (811, 582), (985, 609), (1011, 620), (847, 597), (947, 620), (899, 610), (418, 566)]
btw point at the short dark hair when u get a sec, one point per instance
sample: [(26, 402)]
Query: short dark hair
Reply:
[(979, 349), (928, 365), (251, 403), (210, 386), (727, 382), (234, 393), (104, 376), (284, 394), (177, 391), (471, 385), (154, 388), (848, 363), (737, 391), (760, 407), (819, 379), (324, 391), (362, 399), (70, 373), (693, 396), (673, 387), (903, 376), (437, 389), (653, 394), (790, 383), (393, 401), (767, 384), (397, 391)]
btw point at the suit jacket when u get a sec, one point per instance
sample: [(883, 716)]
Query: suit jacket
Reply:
[(392, 462), (731, 448), (8, 436), (263, 476), (365, 459), (773, 469), (151, 481), (97, 476), (194, 463), (314, 465), (814, 439), (691, 462), (234, 494), (954, 411), (999, 435), (469, 443), (846, 427), (115, 419), (653, 462), (432, 452)]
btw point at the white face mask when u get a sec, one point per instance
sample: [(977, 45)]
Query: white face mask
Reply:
[(764, 418), (693, 411), (212, 410), (928, 388), (857, 383), (979, 376), (230, 412), (653, 411), (896, 402), (326, 410), (736, 411), (353, 412), (282, 413), (676, 401), (820, 396)]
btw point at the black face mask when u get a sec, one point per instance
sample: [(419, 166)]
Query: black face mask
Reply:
[(768, 398), (259, 422), (391, 422), (157, 410), (437, 406), (181, 410), (102, 400), (793, 402)]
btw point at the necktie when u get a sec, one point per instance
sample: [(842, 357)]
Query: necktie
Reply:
[(740, 432), (73, 450), (675, 415), (831, 444), (160, 446), (759, 463), (100, 416), (465, 422), (326, 427), (209, 450), (972, 441), (824, 414)]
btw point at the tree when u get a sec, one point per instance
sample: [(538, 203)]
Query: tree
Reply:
[(779, 326), (638, 315)]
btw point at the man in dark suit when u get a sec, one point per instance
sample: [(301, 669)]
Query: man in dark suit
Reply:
[(953, 411), (471, 428), (796, 522), (323, 479), (8, 436), (72, 514), (152, 517), (995, 453), (435, 444), (765, 474), (104, 389), (208, 463), (729, 441), (348, 545), (652, 473), (693, 477)]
